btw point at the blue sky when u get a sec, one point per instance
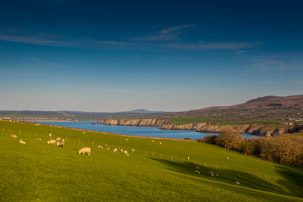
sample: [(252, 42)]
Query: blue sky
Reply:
[(120, 55)]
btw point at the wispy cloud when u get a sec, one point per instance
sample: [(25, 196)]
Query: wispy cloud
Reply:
[(38, 40), (167, 34), (49, 40), (210, 46), (165, 39), (280, 63)]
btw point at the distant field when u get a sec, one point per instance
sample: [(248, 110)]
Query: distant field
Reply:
[(251, 122), (218, 120), (154, 172), (196, 119)]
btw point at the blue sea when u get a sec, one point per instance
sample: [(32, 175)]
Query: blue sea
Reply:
[(135, 131)]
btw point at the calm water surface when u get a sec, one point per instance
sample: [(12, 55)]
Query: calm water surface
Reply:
[(136, 131)]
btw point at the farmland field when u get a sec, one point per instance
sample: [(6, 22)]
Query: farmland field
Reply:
[(159, 169)]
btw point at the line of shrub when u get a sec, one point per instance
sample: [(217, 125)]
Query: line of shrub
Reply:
[(284, 149)]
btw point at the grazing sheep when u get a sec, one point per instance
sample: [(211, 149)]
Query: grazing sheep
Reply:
[(13, 136), (197, 169), (115, 150), (58, 139), (237, 182), (160, 142), (121, 150), (211, 173), (85, 150), (53, 142), (99, 146), (133, 150), (227, 158), (50, 134), (22, 142), (126, 139), (188, 158), (108, 148), (125, 152), (60, 144)]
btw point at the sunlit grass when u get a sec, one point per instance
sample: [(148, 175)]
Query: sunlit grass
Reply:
[(154, 172)]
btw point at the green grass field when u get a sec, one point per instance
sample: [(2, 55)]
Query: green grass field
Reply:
[(272, 122), (37, 171)]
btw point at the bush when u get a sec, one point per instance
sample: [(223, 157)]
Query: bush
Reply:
[(249, 147), (229, 139), (285, 149), (210, 139)]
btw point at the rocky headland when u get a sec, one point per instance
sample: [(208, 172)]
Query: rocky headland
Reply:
[(254, 129)]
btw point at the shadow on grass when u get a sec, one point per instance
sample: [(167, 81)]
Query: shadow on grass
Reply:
[(293, 179), (245, 179)]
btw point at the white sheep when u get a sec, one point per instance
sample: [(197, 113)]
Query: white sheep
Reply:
[(13, 136), (115, 150), (22, 142), (237, 182), (126, 139), (133, 150), (85, 150), (160, 142), (121, 150), (125, 152), (99, 146), (53, 142), (50, 134), (60, 144), (58, 139)]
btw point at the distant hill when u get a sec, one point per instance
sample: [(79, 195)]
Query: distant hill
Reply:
[(264, 102), (258, 109), (143, 111)]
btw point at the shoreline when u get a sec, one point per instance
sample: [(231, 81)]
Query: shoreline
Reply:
[(48, 120), (261, 130), (117, 134)]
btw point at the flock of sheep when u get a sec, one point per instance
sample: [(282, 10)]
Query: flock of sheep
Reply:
[(125, 152), (58, 142), (87, 150), (84, 150)]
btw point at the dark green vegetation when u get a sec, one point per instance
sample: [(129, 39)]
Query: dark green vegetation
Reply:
[(273, 122), (284, 149), (154, 172), (196, 119), (218, 120)]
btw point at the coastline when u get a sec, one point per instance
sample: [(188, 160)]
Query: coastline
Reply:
[(252, 129), (101, 132)]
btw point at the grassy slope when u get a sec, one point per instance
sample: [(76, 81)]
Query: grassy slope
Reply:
[(40, 172)]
